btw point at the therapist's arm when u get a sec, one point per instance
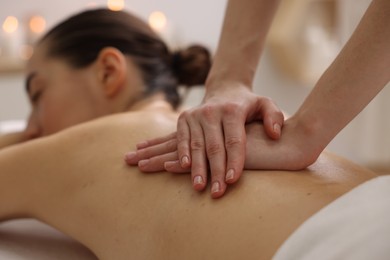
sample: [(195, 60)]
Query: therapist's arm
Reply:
[(357, 75), (241, 43), (214, 133)]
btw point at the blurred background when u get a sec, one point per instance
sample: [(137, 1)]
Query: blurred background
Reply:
[(305, 37)]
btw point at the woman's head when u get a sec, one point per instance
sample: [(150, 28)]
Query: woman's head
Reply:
[(99, 38)]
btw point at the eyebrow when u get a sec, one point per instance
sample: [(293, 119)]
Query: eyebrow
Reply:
[(28, 81)]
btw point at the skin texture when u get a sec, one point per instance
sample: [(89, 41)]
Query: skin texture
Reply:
[(72, 181), (356, 76)]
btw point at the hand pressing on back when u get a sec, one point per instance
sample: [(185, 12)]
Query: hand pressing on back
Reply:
[(211, 138)]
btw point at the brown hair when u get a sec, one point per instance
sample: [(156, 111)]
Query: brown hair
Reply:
[(80, 38)]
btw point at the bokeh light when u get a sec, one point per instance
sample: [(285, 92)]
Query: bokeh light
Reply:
[(10, 24), (37, 24), (116, 5), (158, 21)]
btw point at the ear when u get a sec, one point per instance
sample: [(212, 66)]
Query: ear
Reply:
[(112, 68)]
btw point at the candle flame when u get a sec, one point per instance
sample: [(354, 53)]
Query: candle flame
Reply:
[(37, 24), (158, 21), (115, 5), (10, 24)]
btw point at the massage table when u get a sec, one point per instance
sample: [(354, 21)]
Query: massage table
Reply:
[(29, 239)]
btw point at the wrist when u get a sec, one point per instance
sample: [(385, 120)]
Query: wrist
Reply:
[(230, 69), (226, 89), (223, 80), (309, 133)]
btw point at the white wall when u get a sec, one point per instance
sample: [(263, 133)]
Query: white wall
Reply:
[(13, 101), (365, 140)]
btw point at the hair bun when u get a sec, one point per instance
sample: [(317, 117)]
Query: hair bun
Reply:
[(192, 65)]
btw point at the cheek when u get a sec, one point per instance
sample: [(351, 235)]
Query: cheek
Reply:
[(50, 116), (63, 110)]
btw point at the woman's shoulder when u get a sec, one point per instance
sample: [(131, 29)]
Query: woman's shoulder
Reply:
[(136, 125), (117, 131)]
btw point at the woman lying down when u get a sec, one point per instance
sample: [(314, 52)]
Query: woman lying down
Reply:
[(100, 82)]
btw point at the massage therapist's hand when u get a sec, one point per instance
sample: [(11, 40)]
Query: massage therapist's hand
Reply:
[(296, 149), (212, 134)]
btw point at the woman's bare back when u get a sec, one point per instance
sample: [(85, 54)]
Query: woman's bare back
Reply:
[(77, 182)]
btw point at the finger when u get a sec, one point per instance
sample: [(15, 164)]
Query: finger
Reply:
[(156, 164), (235, 143), (183, 141), (198, 157), (273, 118), (155, 141), (132, 158), (215, 151), (175, 167)]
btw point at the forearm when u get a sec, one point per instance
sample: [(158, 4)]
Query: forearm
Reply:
[(14, 185), (33, 178), (358, 74), (244, 30), (11, 139)]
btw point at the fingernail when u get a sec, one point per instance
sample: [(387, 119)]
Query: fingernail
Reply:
[(129, 156), (229, 175), (143, 162), (277, 129), (215, 188), (185, 160), (198, 180)]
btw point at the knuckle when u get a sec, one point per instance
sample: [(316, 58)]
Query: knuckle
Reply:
[(207, 112), (233, 141), (213, 149), (197, 145), (181, 136), (184, 115), (270, 106), (232, 108)]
